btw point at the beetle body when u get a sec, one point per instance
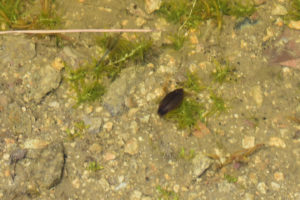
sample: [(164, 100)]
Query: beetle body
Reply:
[(171, 101)]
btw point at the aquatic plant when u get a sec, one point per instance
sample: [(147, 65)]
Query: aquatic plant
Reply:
[(177, 40), (90, 80), (191, 109), (223, 72), (15, 15), (230, 179), (183, 154), (11, 11), (187, 114), (293, 10), (77, 131), (218, 105), (165, 194), (94, 166), (190, 13), (48, 19), (193, 83)]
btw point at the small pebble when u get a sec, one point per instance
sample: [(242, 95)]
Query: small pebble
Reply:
[(88, 109), (248, 142), (146, 198), (76, 183), (108, 126), (262, 188), (132, 147), (35, 144), (54, 104), (278, 176), (259, 2), (249, 196), (136, 195), (99, 109), (277, 142), (152, 5), (257, 95), (109, 156), (294, 25), (95, 148), (58, 64), (279, 10), (104, 184), (194, 38), (176, 188), (6, 156), (275, 186)]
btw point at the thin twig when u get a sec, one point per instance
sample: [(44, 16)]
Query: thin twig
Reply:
[(76, 31)]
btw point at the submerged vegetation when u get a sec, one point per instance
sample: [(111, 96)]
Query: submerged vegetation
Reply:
[(194, 83), (183, 154), (190, 13), (165, 194), (89, 80), (218, 105), (223, 72), (14, 14), (192, 110), (230, 179), (77, 131), (177, 40), (94, 166), (293, 11), (187, 114)]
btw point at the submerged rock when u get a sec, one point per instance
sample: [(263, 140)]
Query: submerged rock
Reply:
[(200, 164), (114, 99), (12, 50), (44, 81), (41, 166)]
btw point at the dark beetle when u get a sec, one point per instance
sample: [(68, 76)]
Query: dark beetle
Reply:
[(171, 101)]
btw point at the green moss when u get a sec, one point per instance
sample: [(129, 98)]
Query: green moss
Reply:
[(48, 17), (218, 105), (87, 86), (223, 73), (175, 10), (240, 8), (11, 11), (193, 83), (230, 179), (187, 114), (77, 131), (186, 155), (90, 80), (165, 194), (190, 13), (177, 40), (14, 13), (293, 11), (191, 110), (94, 166), (90, 92), (122, 50)]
